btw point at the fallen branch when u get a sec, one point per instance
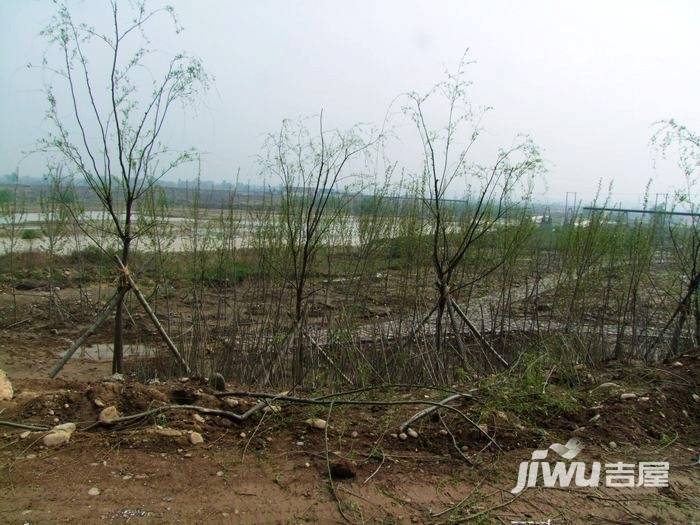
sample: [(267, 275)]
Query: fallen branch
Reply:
[(470, 517), (338, 502), (23, 426), (389, 386), (16, 323), (391, 402), (427, 411), (172, 408), (194, 408)]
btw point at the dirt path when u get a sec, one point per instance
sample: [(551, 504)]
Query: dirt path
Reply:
[(176, 484)]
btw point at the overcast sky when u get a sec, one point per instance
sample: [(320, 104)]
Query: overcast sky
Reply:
[(584, 79)]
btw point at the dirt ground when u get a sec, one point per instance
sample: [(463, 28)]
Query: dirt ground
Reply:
[(274, 467)]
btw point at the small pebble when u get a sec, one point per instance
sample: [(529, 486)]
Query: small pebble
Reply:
[(94, 491)]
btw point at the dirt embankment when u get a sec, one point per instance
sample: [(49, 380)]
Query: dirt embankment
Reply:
[(274, 466)]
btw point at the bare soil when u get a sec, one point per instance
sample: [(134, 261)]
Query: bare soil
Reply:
[(273, 468)]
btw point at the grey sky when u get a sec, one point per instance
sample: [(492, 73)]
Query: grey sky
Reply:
[(584, 79)]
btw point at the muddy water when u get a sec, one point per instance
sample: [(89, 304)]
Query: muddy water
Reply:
[(105, 351)]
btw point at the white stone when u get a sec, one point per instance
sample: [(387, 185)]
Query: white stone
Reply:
[(195, 438), (317, 423), (66, 427), (629, 395), (412, 433), (94, 491), (167, 432), (6, 392), (56, 437)]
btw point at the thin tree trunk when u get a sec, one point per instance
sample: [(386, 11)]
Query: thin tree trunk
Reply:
[(697, 319), (118, 346)]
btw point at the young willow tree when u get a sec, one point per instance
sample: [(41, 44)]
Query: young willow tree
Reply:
[(317, 186), (671, 136), (495, 195), (109, 104)]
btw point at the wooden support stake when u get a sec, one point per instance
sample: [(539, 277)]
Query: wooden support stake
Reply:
[(476, 332), (101, 317), (159, 327)]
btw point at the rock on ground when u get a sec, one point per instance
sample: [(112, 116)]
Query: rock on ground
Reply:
[(109, 414), (342, 469), (218, 382), (195, 438), (6, 392), (56, 437)]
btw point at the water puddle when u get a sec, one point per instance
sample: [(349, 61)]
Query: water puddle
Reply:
[(105, 351)]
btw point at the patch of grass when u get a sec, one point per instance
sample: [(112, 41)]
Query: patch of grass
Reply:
[(527, 391), (226, 271), (30, 234)]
